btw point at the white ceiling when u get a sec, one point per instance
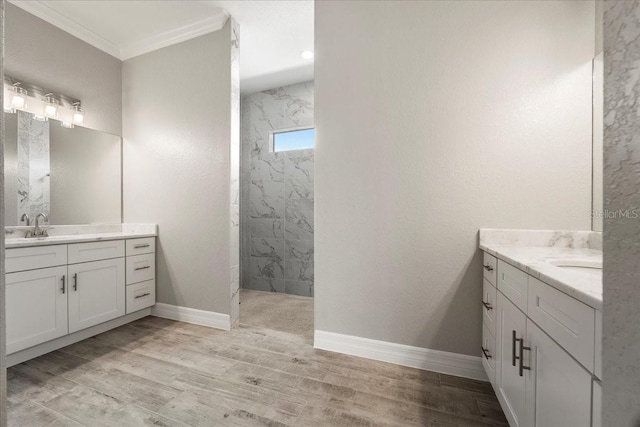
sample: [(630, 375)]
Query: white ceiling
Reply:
[(272, 32)]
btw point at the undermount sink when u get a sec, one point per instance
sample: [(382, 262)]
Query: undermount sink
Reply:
[(578, 263), (587, 268)]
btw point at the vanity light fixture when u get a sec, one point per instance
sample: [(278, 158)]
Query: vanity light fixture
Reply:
[(18, 98), (50, 106), (41, 103), (306, 54)]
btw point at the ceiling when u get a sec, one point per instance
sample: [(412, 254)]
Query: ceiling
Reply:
[(272, 32)]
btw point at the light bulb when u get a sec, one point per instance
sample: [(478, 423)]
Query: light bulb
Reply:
[(50, 106), (78, 114), (18, 101)]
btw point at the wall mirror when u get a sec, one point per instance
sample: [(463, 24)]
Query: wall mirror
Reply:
[(73, 175)]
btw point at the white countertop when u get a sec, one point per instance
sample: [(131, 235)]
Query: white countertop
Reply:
[(535, 260), (60, 235)]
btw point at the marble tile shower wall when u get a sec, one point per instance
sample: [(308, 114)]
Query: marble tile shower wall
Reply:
[(277, 194)]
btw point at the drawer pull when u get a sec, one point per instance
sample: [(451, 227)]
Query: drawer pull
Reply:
[(146, 245), (63, 283), (487, 305), (75, 282), (488, 267), (142, 268), (142, 296), (486, 353)]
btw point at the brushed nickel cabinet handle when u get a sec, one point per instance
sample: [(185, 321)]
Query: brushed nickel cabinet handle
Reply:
[(146, 245), (513, 348), (142, 296), (522, 368), (63, 283), (142, 268), (487, 305), (488, 267)]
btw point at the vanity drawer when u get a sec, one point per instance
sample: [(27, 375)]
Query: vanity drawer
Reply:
[(489, 268), (141, 268), (95, 251), (489, 354), (141, 246), (513, 284), (489, 297), (568, 321), (141, 295), (21, 259)]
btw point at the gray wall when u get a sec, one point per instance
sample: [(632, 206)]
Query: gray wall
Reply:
[(44, 55), (3, 366), (177, 133), (434, 119), (621, 315), (277, 194)]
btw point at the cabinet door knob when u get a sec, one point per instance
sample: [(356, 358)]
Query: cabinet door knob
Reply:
[(486, 353), (487, 305), (63, 283), (488, 267)]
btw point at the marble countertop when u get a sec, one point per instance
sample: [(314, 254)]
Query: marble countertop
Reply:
[(537, 262), (60, 235)]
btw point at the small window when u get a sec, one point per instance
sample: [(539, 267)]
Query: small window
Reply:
[(297, 139)]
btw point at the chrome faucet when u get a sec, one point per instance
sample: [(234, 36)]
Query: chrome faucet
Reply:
[(25, 217), (37, 231)]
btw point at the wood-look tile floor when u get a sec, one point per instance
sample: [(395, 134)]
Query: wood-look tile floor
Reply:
[(158, 372)]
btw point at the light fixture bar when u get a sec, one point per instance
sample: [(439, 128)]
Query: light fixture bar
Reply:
[(42, 103)]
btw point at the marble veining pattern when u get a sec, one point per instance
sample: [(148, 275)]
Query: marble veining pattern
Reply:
[(277, 195), (33, 166), (234, 152), (547, 238), (621, 317)]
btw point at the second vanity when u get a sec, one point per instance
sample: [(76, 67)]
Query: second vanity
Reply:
[(77, 283), (542, 325)]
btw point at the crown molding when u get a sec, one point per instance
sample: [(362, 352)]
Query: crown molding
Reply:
[(129, 50), (174, 36), (44, 12)]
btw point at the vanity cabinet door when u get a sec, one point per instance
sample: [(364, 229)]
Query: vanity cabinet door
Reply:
[(511, 385), (558, 388), (96, 293), (37, 311)]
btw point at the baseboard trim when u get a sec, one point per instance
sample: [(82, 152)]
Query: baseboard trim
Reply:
[(192, 315), (443, 362)]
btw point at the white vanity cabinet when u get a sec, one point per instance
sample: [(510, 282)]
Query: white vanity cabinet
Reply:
[(97, 293), (545, 353), (59, 294), (36, 307)]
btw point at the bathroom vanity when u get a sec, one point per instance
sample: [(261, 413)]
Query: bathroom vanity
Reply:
[(77, 282), (542, 325)]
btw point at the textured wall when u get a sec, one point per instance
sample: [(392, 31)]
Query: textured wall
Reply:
[(39, 53), (3, 366), (460, 115), (277, 194), (177, 147), (621, 315)]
